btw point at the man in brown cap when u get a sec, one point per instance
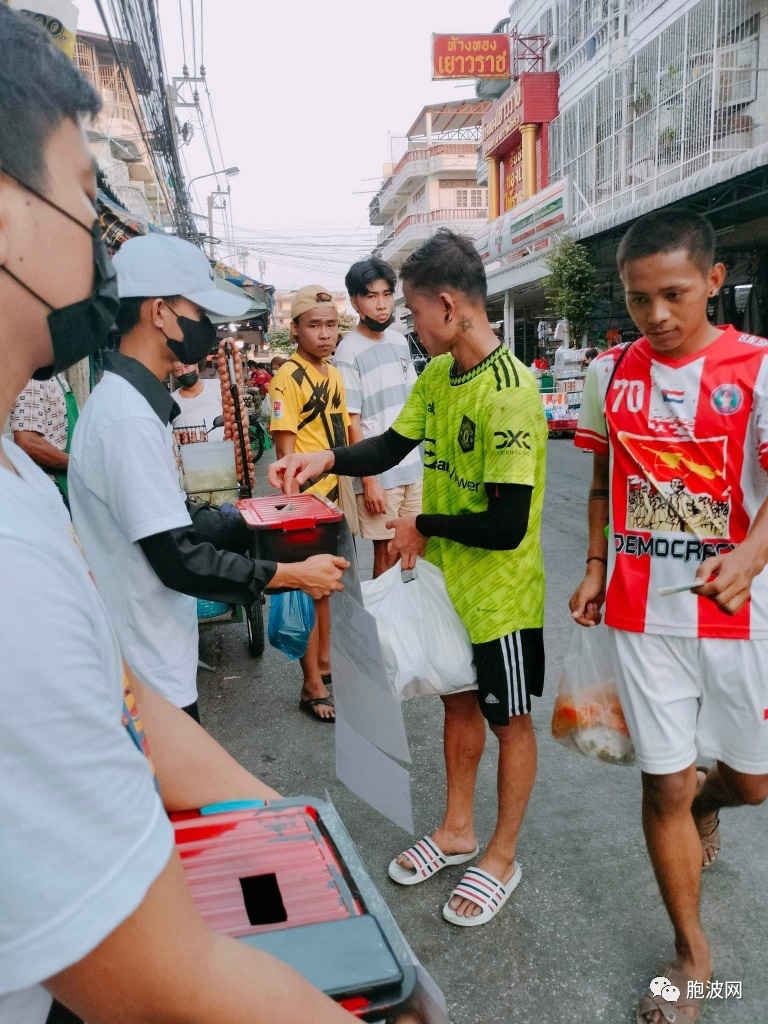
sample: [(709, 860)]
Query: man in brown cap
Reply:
[(309, 414)]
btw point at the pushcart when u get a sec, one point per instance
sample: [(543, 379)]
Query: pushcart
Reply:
[(286, 878)]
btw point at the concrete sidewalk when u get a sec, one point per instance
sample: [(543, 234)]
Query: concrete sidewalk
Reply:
[(584, 933)]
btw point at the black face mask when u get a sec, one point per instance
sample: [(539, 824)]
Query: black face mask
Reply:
[(199, 337), (376, 325), (81, 328), (188, 380)]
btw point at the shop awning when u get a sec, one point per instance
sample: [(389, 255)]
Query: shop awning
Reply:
[(257, 307), (504, 278), (716, 174), (262, 294)]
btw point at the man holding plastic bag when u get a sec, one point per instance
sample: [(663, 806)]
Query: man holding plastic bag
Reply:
[(678, 422), (478, 411)]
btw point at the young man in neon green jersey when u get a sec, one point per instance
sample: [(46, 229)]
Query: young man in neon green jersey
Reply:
[(478, 411)]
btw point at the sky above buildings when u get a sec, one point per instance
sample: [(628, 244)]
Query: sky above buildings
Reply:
[(304, 97)]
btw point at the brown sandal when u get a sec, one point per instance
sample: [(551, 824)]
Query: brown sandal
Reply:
[(711, 839), (669, 1010)]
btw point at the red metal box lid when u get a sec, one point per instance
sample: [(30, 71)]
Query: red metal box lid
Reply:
[(301, 512)]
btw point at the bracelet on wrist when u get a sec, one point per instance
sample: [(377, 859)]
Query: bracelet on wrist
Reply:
[(597, 558)]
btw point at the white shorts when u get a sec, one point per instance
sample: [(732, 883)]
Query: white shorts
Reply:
[(683, 695)]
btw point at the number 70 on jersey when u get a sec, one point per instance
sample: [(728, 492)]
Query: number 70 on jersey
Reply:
[(629, 393)]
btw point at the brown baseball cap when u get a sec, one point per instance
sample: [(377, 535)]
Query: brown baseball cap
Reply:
[(310, 297)]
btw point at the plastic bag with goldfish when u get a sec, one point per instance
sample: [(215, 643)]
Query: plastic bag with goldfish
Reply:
[(587, 714)]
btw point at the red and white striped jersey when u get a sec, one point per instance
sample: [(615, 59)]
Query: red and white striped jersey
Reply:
[(688, 440)]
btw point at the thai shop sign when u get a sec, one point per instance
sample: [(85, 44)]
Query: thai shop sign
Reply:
[(526, 230), (533, 99), (478, 56)]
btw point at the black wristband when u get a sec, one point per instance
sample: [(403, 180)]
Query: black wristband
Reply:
[(597, 558)]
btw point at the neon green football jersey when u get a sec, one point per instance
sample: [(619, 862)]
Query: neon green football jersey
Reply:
[(484, 426)]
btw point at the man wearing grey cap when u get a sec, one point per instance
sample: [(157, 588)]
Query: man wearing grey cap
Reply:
[(149, 556)]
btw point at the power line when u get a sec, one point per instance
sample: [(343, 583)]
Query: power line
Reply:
[(183, 40), (202, 40), (194, 43)]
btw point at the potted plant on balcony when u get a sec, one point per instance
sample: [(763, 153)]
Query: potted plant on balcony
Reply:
[(669, 145), (641, 102)]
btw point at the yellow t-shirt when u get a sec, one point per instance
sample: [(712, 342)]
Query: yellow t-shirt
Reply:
[(314, 408)]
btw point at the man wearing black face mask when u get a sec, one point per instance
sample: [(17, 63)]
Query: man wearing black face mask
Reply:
[(378, 373), (150, 552), (199, 400)]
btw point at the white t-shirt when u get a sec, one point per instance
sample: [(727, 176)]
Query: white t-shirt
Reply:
[(83, 834), (201, 410), (378, 377), (123, 486)]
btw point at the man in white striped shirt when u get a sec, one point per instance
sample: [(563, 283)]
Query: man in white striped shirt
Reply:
[(378, 373)]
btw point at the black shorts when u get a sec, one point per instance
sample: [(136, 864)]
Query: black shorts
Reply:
[(509, 671)]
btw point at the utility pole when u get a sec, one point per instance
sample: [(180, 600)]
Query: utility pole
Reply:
[(262, 269), (210, 226)]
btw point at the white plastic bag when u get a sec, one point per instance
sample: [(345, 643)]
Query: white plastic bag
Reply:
[(425, 645), (587, 713)]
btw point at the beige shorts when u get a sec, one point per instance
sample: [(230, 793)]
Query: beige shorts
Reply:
[(401, 501)]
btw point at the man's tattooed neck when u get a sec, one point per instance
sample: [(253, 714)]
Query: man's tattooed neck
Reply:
[(465, 323)]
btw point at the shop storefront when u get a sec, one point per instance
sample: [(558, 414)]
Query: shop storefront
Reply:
[(524, 210)]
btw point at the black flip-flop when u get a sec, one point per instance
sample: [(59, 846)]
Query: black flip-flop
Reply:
[(309, 705)]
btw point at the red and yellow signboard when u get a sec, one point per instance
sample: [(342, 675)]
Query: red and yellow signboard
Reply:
[(477, 56), (512, 177), (532, 100)]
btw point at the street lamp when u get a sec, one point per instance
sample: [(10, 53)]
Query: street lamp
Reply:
[(231, 172)]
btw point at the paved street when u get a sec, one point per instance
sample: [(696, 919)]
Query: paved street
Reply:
[(583, 934)]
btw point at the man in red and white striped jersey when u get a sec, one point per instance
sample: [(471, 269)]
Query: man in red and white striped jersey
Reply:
[(678, 423)]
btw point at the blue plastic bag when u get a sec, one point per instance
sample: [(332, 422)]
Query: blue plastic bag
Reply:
[(291, 618)]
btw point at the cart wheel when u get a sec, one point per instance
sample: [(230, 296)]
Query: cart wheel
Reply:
[(254, 620), (257, 444)]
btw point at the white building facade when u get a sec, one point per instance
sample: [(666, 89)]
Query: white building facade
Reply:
[(660, 102), (431, 183)]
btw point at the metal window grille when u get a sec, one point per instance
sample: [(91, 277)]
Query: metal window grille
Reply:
[(688, 98)]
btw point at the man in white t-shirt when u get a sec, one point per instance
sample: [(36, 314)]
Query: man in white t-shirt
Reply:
[(151, 553), (94, 906), (378, 373), (199, 400)]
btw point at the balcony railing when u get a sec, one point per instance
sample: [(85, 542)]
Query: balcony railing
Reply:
[(462, 213), (428, 152), (421, 153)]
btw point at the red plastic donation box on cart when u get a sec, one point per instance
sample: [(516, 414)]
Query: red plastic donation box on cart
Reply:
[(292, 529)]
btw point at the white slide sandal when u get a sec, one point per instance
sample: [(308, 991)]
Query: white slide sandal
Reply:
[(484, 890), (429, 859)]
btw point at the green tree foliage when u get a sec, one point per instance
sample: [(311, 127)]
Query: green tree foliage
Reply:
[(570, 287), (281, 339), (347, 323)]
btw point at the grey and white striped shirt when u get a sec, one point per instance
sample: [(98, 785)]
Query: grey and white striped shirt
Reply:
[(378, 377)]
